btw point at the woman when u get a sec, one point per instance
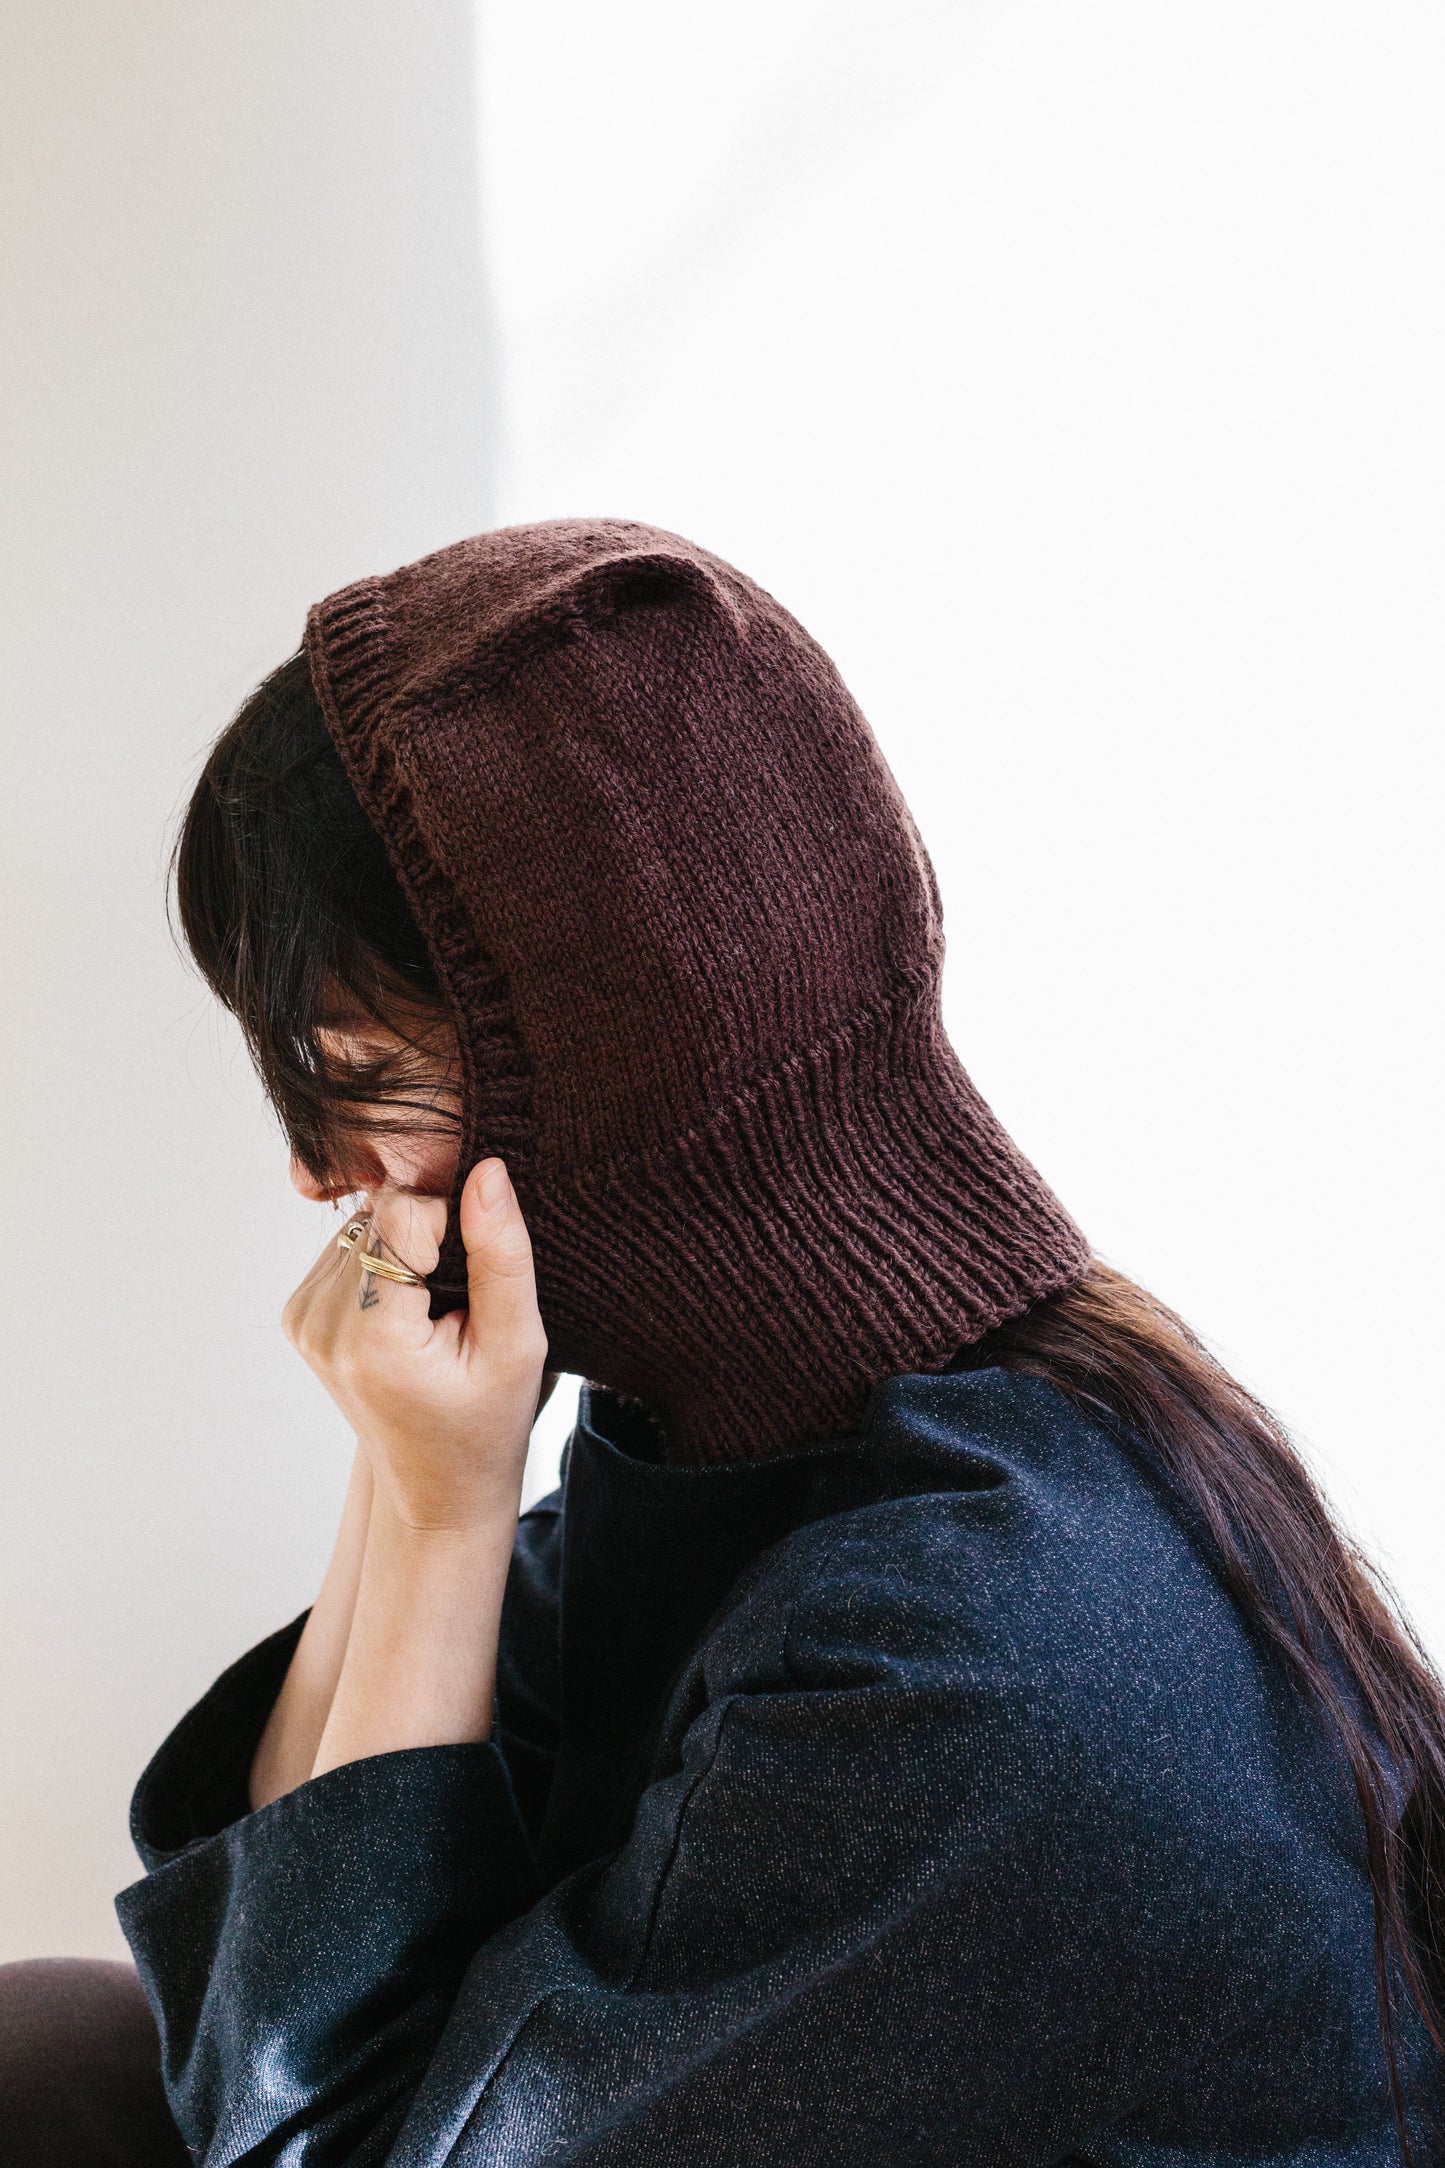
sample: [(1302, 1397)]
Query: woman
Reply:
[(936, 1721)]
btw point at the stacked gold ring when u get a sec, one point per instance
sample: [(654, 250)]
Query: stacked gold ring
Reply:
[(351, 1239)]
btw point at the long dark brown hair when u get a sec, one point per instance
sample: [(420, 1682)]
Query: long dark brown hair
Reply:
[(288, 904)]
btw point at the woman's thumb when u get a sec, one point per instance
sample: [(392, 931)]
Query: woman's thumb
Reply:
[(501, 1291)]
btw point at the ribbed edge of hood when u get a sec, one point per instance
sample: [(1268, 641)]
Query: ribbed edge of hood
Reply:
[(855, 1215)]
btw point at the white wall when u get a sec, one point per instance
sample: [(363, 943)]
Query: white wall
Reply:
[(247, 357), (1073, 372)]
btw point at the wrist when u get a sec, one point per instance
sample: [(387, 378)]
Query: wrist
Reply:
[(420, 1666), (432, 1526)]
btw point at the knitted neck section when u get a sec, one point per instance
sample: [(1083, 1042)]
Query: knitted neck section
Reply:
[(691, 941)]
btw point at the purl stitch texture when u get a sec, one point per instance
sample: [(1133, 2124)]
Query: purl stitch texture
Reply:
[(692, 943)]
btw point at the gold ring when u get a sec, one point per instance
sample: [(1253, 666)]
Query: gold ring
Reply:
[(350, 1239)]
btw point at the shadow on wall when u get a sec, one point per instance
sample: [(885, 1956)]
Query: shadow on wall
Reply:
[(249, 357)]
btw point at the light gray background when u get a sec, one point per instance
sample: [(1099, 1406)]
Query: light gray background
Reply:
[(1072, 372)]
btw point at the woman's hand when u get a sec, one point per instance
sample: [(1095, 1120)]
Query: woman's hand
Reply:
[(444, 1408)]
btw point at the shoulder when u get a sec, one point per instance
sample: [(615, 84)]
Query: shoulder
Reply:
[(986, 1504), (1009, 1680), (1027, 1573)]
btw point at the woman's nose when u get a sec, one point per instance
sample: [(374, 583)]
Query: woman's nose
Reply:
[(304, 1182)]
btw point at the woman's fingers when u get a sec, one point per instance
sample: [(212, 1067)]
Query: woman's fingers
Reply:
[(445, 1408), (340, 1304), (382, 1312), (503, 1326), (318, 1294), (409, 1230)]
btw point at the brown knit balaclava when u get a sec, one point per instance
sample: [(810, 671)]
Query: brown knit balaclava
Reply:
[(692, 944)]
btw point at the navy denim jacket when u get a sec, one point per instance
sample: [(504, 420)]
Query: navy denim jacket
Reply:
[(921, 1800)]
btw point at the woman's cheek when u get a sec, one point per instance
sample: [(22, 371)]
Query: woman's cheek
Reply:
[(428, 1164)]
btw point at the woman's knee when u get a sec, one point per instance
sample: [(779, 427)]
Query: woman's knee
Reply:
[(80, 2082)]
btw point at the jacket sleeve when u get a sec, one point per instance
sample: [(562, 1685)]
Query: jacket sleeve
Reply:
[(415, 1858), (858, 1917)]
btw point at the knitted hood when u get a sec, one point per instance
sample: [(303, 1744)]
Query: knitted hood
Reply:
[(692, 942)]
